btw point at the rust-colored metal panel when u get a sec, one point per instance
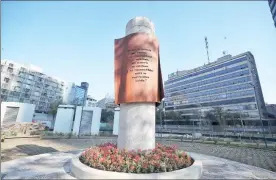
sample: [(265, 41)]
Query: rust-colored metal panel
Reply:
[(138, 76)]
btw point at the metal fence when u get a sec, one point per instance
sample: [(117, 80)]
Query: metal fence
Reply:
[(246, 133)]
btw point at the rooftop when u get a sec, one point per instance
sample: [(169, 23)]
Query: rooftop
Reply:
[(220, 60)]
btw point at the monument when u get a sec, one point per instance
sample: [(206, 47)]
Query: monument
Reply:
[(138, 89), (138, 84)]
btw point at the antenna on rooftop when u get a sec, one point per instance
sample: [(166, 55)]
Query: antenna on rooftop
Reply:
[(206, 46), (225, 51)]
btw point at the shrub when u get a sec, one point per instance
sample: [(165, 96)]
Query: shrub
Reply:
[(215, 141), (47, 133), (228, 141), (161, 159), (59, 134), (13, 133), (2, 138), (35, 133), (258, 144)]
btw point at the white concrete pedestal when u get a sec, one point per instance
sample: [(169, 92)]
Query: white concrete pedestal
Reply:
[(137, 126)]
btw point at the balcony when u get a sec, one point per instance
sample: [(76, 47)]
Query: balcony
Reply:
[(26, 90), (3, 97), (26, 101), (4, 86)]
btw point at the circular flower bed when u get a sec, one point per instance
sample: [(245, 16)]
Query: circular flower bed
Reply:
[(161, 159)]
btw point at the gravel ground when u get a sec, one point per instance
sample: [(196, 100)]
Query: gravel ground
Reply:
[(16, 148)]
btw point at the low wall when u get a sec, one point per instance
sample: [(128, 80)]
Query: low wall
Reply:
[(25, 111), (82, 171)]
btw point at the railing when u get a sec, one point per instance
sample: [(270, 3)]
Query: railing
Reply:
[(216, 128), (4, 85)]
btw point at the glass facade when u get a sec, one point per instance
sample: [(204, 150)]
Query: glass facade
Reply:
[(79, 96), (75, 95), (272, 5), (224, 83)]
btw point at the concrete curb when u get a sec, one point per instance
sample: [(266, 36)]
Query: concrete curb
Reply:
[(81, 137), (82, 171), (18, 137)]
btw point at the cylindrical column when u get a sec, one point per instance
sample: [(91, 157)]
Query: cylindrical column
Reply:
[(137, 120)]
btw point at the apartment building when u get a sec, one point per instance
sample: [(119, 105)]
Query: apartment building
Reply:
[(28, 84), (231, 83), (91, 102)]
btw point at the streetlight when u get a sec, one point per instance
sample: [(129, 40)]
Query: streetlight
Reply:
[(162, 110), (259, 113), (200, 120)]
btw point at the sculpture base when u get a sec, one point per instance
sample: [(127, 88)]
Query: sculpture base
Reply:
[(137, 126)]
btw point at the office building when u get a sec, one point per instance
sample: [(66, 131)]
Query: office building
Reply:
[(107, 103), (91, 102), (271, 110), (231, 83), (272, 6), (27, 84), (74, 94)]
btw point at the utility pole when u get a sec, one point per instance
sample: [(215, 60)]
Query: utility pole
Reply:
[(206, 46)]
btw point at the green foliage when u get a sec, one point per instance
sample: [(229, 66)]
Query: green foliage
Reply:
[(176, 115), (48, 133), (60, 134), (54, 107), (159, 115), (223, 118), (2, 138), (107, 116), (8, 133)]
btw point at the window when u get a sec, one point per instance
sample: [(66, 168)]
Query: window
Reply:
[(6, 80), (16, 88), (10, 70), (273, 9), (27, 86), (31, 77), (29, 82), (36, 93)]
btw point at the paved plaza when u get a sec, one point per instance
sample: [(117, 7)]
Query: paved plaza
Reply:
[(58, 162), (57, 165)]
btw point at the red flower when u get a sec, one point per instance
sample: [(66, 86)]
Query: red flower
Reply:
[(101, 160), (108, 157)]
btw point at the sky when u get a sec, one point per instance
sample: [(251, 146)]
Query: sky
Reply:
[(75, 40)]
